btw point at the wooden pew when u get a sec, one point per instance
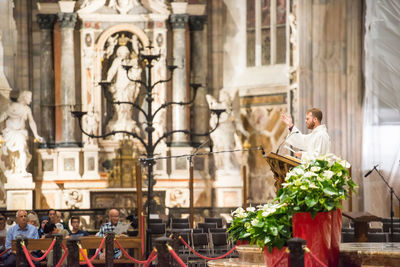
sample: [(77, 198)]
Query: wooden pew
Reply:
[(87, 242)]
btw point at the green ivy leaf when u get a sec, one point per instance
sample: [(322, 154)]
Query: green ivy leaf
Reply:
[(311, 201), (329, 191)]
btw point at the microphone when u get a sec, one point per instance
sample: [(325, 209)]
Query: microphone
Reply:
[(370, 171), (284, 141)]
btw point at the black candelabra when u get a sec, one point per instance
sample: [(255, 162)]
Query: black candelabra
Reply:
[(149, 144)]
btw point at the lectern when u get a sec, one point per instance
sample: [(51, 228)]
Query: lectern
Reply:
[(280, 165)]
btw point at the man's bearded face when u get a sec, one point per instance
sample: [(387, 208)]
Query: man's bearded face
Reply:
[(310, 121)]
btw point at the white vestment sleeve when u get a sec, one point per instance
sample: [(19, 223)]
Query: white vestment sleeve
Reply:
[(297, 139)]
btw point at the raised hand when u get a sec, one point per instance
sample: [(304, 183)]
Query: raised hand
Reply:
[(287, 120)]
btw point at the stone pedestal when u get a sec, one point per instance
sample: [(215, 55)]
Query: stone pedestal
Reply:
[(91, 162), (228, 188), (19, 192), (60, 164), (180, 165), (69, 163)]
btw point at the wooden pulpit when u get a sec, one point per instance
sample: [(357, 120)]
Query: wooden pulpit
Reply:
[(280, 165)]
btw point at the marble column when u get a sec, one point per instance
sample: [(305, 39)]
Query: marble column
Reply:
[(46, 23), (67, 89), (180, 90), (200, 119)]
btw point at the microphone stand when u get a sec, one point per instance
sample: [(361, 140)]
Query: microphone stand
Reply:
[(284, 141), (391, 203)]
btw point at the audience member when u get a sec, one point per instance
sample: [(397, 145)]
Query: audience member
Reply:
[(76, 231), (33, 219), (55, 217), (43, 221), (113, 217), (50, 229), (20, 228), (3, 230)]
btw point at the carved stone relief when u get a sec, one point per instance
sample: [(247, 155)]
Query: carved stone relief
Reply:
[(73, 199), (265, 129)]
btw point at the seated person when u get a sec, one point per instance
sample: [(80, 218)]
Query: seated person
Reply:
[(33, 219), (50, 229), (76, 231), (3, 230), (55, 217), (42, 223), (111, 226), (20, 228)]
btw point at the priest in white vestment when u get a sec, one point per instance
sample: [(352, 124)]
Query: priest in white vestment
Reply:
[(311, 145)]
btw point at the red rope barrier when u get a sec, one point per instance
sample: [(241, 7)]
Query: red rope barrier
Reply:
[(27, 254), (85, 257), (63, 256), (315, 258), (4, 252), (279, 259), (130, 257), (45, 254), (176, 257), (152, 257), (204, 257), (98, 250)]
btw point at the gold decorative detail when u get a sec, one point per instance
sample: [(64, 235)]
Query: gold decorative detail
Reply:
[(246, 145), (123, 174), (133, 55), (123, 40)]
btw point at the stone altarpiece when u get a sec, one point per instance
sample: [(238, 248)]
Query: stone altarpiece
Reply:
[(108, 36)]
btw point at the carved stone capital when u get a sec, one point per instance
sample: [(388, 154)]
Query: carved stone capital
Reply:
[(196, 23), (179, 21), (67, 20), (46, 21)]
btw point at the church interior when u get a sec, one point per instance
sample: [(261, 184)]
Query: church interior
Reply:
[(168, 109)]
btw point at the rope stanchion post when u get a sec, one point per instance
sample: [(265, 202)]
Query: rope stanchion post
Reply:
[(57, 249), (110, 236), (175, 241), (176, 257), (21, 260), (73, 251), (296, 247), (164, 257)]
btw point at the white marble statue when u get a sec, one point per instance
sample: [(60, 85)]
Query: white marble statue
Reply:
[(89, 6), (122, 6), (92, 122), (225, 137), (15, 134), (157, 6), (123, 89)]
